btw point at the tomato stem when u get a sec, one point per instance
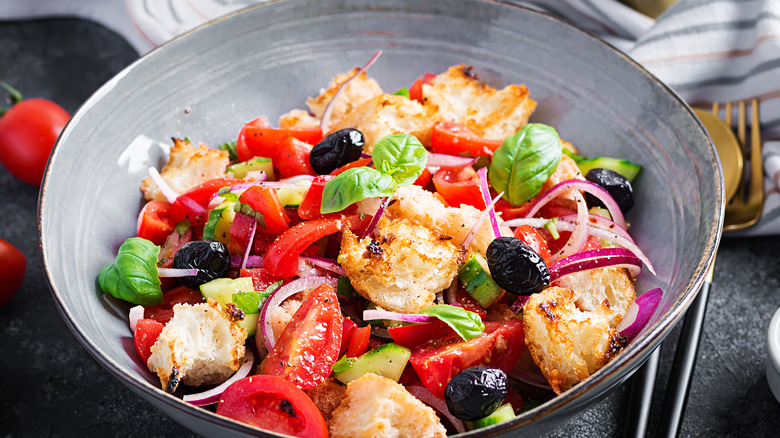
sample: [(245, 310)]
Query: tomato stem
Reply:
[(14, 96)]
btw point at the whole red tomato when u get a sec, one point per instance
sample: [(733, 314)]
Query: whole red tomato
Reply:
[(12, 266), (28, 132)]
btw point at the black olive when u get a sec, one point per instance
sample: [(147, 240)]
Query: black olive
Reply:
[(210, 258), (475, 392), (335, 150), (617, 185), (516, 267)]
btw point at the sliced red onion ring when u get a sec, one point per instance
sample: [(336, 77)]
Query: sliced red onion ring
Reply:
[(485, 189), (249, 240), (378, 215), (478, 224), (597, 258), (190, 204), (446, 160), (529, 378), (599, 222), (517, 306), (424, 395), (372, 314), (176, 272), (296, 179), (638, 314), (325, 121), (136, 314), (586, 186), (325, 263), (212, 395), (278, 296), (578, 237), (166, 190), (451, 294)]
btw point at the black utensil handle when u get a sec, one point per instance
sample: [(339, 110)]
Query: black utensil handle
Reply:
[(641, 396), (676, 396)]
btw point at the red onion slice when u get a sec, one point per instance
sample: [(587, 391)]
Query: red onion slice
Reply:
[(586, 186), (424, 395), (478, 224), (517, 306), (278, 296), (167, 191), (599, 222), (485, 189), (136, 314), (578, 237), (251, 262), (639, 313), (249, 240), (190, 204), (212, 395), (325, 263), (594, 259), (296, 179), (378, 215), (372, 314), (176, 272), (445, 160), (325, 121)]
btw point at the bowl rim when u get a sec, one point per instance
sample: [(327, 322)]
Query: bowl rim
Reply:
[(640, 348)]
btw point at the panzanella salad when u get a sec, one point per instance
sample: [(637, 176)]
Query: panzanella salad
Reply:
[(420, 263)]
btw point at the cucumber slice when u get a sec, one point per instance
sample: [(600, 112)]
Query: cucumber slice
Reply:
[(624, 167), (293, 197), (504, 413), (478, 283), (224, 289), (217, 227), (388, 360), (239, 170)]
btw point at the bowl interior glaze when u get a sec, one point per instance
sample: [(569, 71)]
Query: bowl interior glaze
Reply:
[(269, 58)]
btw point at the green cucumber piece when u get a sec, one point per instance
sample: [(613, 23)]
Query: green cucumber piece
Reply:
[(240, 170), (224, 290), (220, 219), (292, 197), (478, 283), (388, 360), (344, 287), (211, 223), (504, 413), (624, 167)]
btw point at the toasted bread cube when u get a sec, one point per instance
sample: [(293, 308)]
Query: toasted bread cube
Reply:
[(603, 287), (187, 167), (359, 90)]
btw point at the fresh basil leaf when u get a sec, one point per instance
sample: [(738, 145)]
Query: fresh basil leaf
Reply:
[(133, 275), (524, 161), (250, 302), (182, 226), (465, 323), (230, 148), (355, 185), (402, 92), (401, 156)]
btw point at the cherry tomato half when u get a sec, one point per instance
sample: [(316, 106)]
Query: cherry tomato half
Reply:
[(12, 266), (28, 132), (242, 150), (146, 333), (200, 195), (163, 312), (265, 201), (292, 158), (272, 403), (536, 241), (415, 91), (459, 186), (358, 343), (154, 222), (309, 344), (453, 138), (261, 140)]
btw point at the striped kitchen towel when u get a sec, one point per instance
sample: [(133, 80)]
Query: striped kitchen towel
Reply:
[(707, 51)]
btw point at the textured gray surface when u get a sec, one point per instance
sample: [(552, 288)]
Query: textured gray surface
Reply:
[(50, 386)]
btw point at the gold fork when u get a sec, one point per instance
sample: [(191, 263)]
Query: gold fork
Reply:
[(744, 209)]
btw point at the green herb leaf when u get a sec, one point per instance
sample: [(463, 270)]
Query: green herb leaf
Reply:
[(242, 208), (465, 323), (355, 185), (401, 156), (402, 92), (230, 147), (133, 275), (524, 161), (182, 226)]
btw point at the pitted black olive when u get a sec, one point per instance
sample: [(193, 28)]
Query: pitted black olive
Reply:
[(210, 258), (617, 185), (475, 393), (516, 267), (337, 149)]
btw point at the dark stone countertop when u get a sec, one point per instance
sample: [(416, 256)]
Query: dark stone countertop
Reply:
[(51, 386)]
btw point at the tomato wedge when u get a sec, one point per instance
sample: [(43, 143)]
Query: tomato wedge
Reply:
[(532, 238), (242, 150), (260, 278), (309, 344), (200, 195), (358, 343), (415, 91), (272, 403), (349, 327), (438, 361), (146, 333), (311, 205), (163, 312), (281, 259), (459, 186), (258, 139), (357, 163), (410, 336), (454, 139), (265, 201), (154, 222), (292, 158)]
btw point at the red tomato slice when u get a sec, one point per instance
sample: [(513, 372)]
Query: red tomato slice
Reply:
[(438, 361), (163, 312), (242, 150), (454, 139), (358, 344), (261, 279), (410, 336), (346, 336), (154, 222), (459, 187), (309, 344), (265, 201), (264, 141), (200, 195), (292, 158), (281, 259), (532, 238), (469, 303), (311, 205), (508, 212), (357, 163), (146, 333), (424, 178), (415, 91), (272, 403)]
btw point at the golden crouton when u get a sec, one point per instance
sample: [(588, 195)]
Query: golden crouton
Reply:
[(187, 167), (328, 395), (388, 114), (608, 287), (378, 407), (359, 90), (567, 343), (200, 345), (491, 114), (402, 267), (298, 118)]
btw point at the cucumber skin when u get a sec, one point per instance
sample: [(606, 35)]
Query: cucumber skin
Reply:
[(388, 360), (624, 167), (478, 283), (503, 413)]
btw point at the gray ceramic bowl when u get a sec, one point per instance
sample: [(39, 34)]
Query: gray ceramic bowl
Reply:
[(269, 58)]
